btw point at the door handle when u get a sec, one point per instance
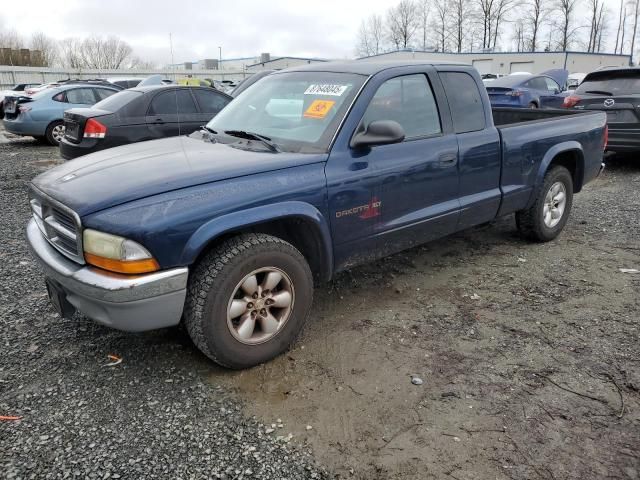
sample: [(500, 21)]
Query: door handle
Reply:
[(158, 121), (448, 159)]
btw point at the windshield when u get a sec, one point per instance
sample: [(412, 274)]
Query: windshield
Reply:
[(298, 111), (613, 83)]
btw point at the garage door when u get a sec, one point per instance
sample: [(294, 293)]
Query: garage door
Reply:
[(483, 66), (521, 67)]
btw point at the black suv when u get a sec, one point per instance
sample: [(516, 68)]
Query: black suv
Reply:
[(617, 92)]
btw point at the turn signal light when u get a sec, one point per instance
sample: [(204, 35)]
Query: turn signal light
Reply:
[(94, 129), (122, 266), (570, 101)]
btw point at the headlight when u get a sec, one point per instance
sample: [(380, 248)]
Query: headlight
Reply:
[(117, 254)]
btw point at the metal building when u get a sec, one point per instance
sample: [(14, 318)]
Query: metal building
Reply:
[(509, 62)]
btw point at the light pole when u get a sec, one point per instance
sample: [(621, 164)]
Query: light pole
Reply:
[(220, 58)]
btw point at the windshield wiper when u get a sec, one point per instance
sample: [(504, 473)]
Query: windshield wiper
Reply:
[(210, 130), (599, 92), (254, 136)]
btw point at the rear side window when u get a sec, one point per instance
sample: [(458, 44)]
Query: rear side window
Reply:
[(409, 101), (82, 96), (210, 101), (172, 102), (611, 83), (118, 100), (536, 83), (552, 86), (465, 102), (102, 93)]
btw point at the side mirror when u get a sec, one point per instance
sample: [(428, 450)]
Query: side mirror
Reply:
[(380, 132)]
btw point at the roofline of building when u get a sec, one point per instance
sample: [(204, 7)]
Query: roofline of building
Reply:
[(408, 50)]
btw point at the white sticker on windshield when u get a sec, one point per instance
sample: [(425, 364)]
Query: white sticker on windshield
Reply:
[(333, 90)]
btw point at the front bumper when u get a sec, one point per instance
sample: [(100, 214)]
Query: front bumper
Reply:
[(124, 302)]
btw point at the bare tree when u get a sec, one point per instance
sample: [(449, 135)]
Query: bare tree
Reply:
[(138, 63), (533, 21), (596, 10), (440, 25), (402, 23), (635, 28), (460, 27), (566, 11), (47, 47), (11, 39), (104, 53), (423, 13), (615, 50), (370, 36), (487, 13), (70, 53), (500, 12), (519, 36)]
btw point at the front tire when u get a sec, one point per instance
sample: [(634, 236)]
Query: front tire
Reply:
[(548, 215), (248, 300)]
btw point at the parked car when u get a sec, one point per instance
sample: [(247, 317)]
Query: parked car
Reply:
[(17, 89), (139, 114), (41, 115), (529, 91), (574, 80), (490, 77), (124, 82), (247, 82), (615, 91), (228, 228)]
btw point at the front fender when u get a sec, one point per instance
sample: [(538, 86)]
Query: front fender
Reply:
[(244, 219)]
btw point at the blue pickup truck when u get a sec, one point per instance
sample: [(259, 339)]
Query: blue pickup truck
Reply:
[(308, 172)]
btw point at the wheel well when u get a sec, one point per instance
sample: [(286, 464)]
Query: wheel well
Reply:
[(302, 234), (571, 161)]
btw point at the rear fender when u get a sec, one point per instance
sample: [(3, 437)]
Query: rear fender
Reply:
[(244, 219), (564, 147)]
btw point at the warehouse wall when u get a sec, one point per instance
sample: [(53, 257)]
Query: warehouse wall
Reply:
[(9, 75)]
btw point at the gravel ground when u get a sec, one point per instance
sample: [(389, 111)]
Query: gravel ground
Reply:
[(529, 356), (152, 416)]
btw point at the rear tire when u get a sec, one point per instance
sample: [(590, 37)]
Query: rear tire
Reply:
[(548, 215), (248, 300), (533, 105), (55, 132)]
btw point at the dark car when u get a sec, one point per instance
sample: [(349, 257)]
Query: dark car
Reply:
[(247, 82), (528, 91), (617, 92), (139, 114)]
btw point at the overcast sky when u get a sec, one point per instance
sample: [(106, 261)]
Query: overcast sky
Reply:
[(241, 28)]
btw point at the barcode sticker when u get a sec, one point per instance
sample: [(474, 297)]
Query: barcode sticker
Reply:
[(332, 90)]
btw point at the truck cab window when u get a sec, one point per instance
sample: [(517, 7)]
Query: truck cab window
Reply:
[(409, 101), (464, 100)]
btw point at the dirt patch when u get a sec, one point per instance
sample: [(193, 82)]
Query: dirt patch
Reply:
[(529, 355)]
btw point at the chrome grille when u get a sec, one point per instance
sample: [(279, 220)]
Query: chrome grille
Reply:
[(59, 225)]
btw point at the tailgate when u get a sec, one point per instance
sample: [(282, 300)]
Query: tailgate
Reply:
[(11, 104), (618, 109)]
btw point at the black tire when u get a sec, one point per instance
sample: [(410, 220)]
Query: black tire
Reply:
[(49, 134), (213, 283), (531, 222), (533, 105)]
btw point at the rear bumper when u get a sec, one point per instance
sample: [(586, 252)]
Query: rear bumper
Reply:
[(124, 302), (69, 150), (23, 126), (623, 139)]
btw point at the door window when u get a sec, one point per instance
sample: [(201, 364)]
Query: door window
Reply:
[(174, 101), (467, 109), (210, 101), (409, 101), (536, 83), (83, 96), (551, 84)]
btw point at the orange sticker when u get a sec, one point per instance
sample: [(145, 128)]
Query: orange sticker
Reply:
[(319, 108)]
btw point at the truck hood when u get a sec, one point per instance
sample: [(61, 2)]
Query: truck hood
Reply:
[(115, 176)]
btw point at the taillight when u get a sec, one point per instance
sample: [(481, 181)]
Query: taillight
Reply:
[(514, 93), (606, 137), (571, 101), (94, 129)]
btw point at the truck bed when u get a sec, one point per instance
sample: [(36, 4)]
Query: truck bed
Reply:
[(504, 116)]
